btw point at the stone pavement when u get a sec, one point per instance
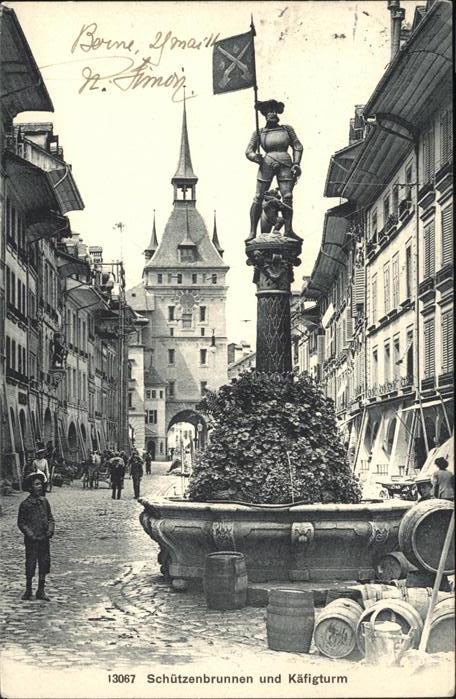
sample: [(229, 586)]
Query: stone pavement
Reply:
[(111, 609)]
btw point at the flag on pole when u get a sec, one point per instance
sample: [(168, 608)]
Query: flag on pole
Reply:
[(233, 63)]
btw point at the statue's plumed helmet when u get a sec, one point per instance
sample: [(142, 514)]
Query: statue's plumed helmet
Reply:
[(270, 106)]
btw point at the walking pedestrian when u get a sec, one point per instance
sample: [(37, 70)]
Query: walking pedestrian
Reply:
[(117, 475), (36, 522), (136, 472), (148, 460), (443, 480)]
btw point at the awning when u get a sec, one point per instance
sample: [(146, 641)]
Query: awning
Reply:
[(22, 87), (332, 253), (48, 225), (65, 188), (431, 404), (420, 71), (85, 295), (339, 168), (68, 265)]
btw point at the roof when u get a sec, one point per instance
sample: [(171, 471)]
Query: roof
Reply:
[(22, 86), (138, 299), (185, 218), (331, 255), (153, 245), (153, 378), (184, 166), (215, 239)]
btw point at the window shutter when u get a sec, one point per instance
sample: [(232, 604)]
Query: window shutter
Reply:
[(447, 342), (429, 155), (429, 250), (447, 235), (359, 286), (429, 348), (321, 348), (446, 137)]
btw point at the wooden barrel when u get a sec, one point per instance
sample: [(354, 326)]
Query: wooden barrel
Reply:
[(290, 620), (335, 630), (393, 566), (225, 580), (420, 598), (374, 592), (399, 611), (442, 636), (422, 532)]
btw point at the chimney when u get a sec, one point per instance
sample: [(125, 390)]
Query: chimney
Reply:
[(397, 17)]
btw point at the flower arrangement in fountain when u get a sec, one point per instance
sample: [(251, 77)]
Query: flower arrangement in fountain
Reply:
[(274, 440)]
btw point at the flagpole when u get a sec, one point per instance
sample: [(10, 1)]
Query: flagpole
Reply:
[(255, 86)]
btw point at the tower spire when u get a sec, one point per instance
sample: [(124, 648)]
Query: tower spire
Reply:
[(215, 240), (184, 178), (153, 245)]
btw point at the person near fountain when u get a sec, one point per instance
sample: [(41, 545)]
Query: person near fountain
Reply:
[(275, 140), (117, 475), (148, 462), (36, 522), (136, 472), (443, 480)]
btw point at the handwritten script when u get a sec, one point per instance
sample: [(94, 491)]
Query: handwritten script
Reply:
[(135, 67)]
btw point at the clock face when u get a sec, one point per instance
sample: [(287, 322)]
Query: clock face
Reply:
[(188, 299)]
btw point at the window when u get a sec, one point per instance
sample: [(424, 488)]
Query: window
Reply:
[(202, 312), (410, 353), (171, 332), (187, 254), (171, 313), (19, 295), (203, 332), (447, 342), (374, 367), (374, 225), (396, 280), (194, 278), (446, 137), (13, 288), (429, 348), (429, 250), (148, 393), (153, 394), (179, 278), (396, 356), (203, 387), (170, 278), (395, 199), (429, 154), (171, 357), (203, 357), (408, 271), (386, 209), (151, 417), (159, 278), (130, 399), (186, 320), (447, 235), (214, 279), (386, 362), (386, 288), (171, 389), (408, 182), (374, 298)]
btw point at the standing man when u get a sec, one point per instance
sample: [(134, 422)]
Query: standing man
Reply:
[(443, 480), (148, 460), (36, 522), (117, 474), (136, 472)]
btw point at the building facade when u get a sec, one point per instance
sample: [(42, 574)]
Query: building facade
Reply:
[(380, 333), (63, 325), (182, 297)]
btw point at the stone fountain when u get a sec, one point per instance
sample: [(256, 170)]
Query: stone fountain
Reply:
[(288, 542)]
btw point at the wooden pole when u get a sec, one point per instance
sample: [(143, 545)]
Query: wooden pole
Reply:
[(255, 86), (435, 591)]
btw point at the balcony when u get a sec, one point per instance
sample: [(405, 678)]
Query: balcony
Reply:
[(446, 379), (16, 376), (428, 383), (388, 387), (406, 382), (444, 178), (391, 224), (426, 195), (371, 247), (405, 209), (372, 392), (444, 278)]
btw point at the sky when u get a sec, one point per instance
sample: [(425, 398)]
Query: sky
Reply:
[(319, 58)]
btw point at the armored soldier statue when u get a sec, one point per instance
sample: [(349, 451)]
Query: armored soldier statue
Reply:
[(275, 140)]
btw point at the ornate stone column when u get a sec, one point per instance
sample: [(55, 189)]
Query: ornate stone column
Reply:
[(273, 257)]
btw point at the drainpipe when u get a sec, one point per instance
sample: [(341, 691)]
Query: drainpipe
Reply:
[(397, 17)]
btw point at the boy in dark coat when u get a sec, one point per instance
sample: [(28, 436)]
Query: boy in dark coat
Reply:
[(117, 474), (36, 522), (136, 472)]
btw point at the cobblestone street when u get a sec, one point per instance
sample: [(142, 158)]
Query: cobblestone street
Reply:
[(110, 606)]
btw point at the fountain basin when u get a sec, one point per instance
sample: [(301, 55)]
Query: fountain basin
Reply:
[(302, 542)]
